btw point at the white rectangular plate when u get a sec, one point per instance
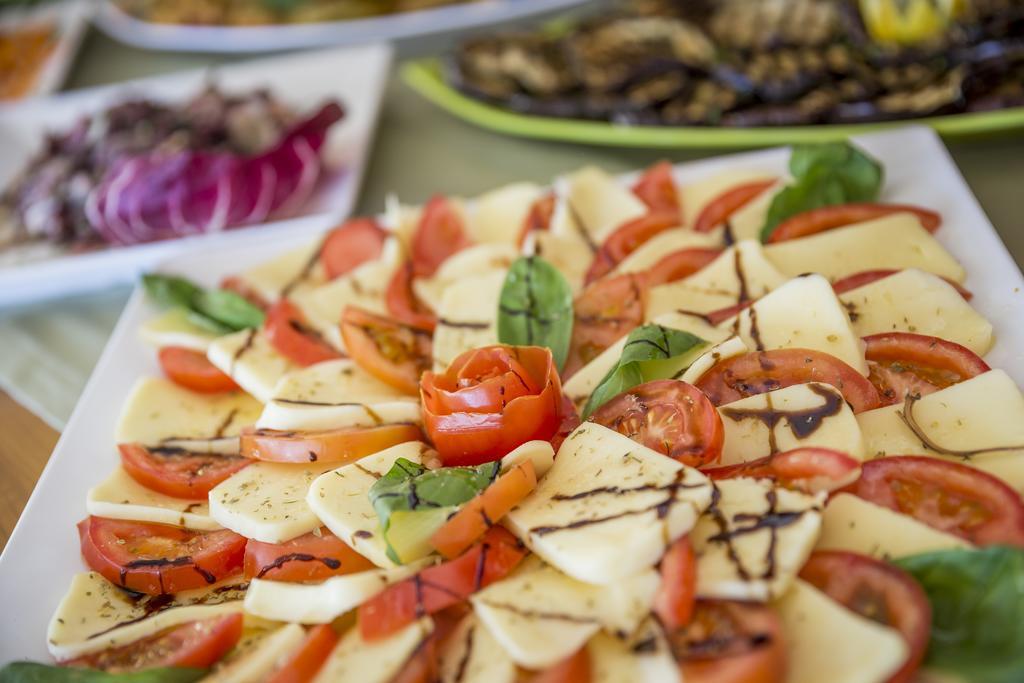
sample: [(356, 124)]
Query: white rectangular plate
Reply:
[(354, 76), (37, 565)]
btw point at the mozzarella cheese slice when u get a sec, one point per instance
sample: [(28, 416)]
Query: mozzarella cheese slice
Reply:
[(259, 657), (376, 661), (467, 317), (643, 657), (801, 415), (741, 273), (173, 328), (95, 614), (158, 411), (402, 219), (582, 384), (730, 348), (609, 506), (803, 313), (828, 642), (754, 539), (853, 524), (747, 221), (895, 241), (600, 204), (497, 217), (340, 499), (694, 197), (295, 270), (540, 616), (916, 301), (267, 501), (320, 603), (472, 655), (479, 259), (566, 246), (335, 394), (539, 453), (665, 243), (251, 360), (121, 497)]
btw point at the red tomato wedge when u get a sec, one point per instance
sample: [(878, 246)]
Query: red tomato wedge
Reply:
[(344, 445), (763, 371), (677, 595), (490, 401), (403, 304), (603, 313), (948, 496), (190, 369), (866, 277), (236, 284), (394, 353), (575, 669), (718, 210), (303, 664), (352, 244), (478, 515), (680, 264), (731, 642), (288, 332), (626, 239), (440, 234), (657, 189), (830, 217), (878, 591), (422, 666), (539, 217), (570, 421), (435, 588), (669, 416), (804, 469), (902, 363), (158, 558), (176, 471), (310, 557), (197, 644)]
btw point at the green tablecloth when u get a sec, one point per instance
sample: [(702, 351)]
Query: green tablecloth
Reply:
[(48, 351)]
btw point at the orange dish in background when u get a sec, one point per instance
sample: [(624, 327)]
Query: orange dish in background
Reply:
[(23, 53)]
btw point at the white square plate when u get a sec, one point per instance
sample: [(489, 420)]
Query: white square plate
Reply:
[(354, 76), (42, 555)]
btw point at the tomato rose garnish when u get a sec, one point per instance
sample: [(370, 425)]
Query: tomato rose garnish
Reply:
[(490, 401)]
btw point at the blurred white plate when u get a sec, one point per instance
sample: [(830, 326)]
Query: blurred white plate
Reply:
[(190, 38), (69, 19), (354, 76)]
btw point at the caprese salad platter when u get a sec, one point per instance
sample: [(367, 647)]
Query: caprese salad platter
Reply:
[(741, 421)]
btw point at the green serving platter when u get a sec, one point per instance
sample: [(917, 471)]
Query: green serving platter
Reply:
[(425, 77)]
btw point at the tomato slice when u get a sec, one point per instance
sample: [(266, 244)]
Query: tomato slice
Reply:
[(676, 598), (191, 369), (403, 304), (197, 644), (310, 557), (440, 234), (668, 416), (394, 353), (424, 666), (680, 264), (948, 496), (626, 239), (902, 363), (657, 189), (303, 664), (490, 401), (574, 669), (570, 421), (326, 446), (435, 588), (539, 217), (730, 642), (287, 330), (176, 471), (866, 277), (236, 284), (158, 558), (603, 313), (830, 217), (351, 244), (878, 591), (805, 469), (718, 210), (763, 371), (479, 514)]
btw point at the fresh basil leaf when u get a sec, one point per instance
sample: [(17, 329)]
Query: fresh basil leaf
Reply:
[(535, 308), (410, 486), (228, 308), (217, 310), (824, 175), (977, 598), (207, 323), (32, 672), (169, 290), (651, 352)]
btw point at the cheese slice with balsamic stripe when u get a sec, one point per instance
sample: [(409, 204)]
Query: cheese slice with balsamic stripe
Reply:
[(640, 657), (472, 655), (599, 203), (248, 357), (121, 497), (498, 216), (376, 661), (256, 658), (293, 272), (467, 317)]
